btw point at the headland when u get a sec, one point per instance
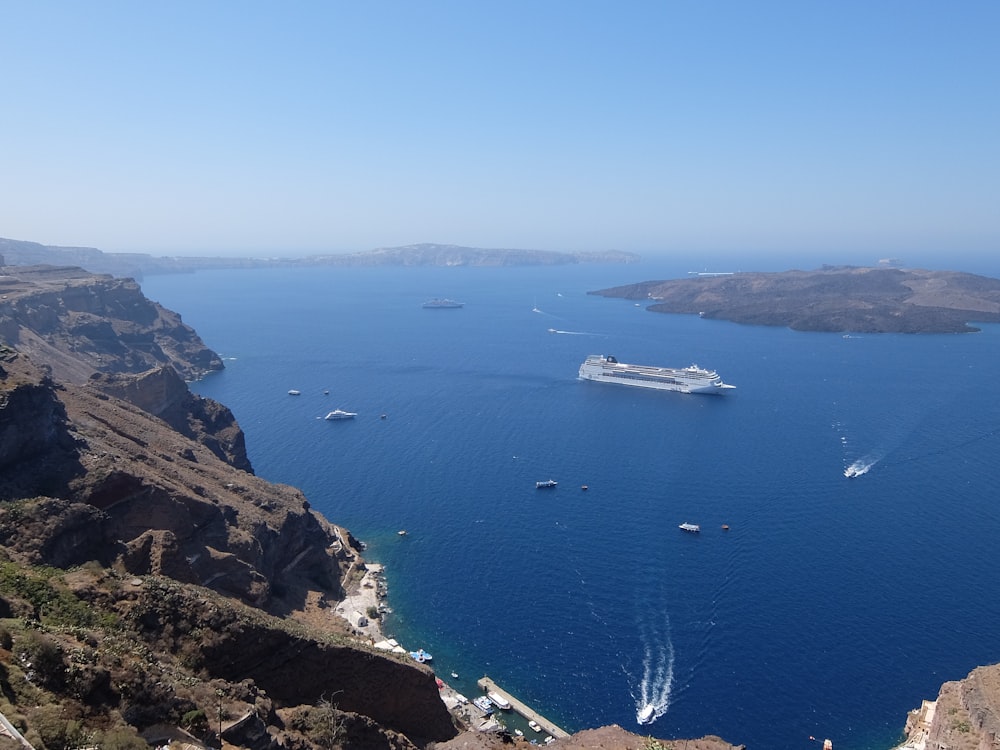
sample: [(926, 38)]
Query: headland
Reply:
[(830, 299)]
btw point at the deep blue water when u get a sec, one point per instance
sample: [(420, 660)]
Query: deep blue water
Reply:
[(830, 608)]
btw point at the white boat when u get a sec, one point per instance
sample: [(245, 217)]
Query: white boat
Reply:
[(645, 714), (690, 527), (546, 485), (499, 701), (294, 392), (534, 726), (691, 379), (484, 704), (340, 414)]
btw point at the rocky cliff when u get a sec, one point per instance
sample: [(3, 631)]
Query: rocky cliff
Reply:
[(965, 715), (76, 324)]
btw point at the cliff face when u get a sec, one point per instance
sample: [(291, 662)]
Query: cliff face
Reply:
[(77, 323), (965, 716), (162, 393)]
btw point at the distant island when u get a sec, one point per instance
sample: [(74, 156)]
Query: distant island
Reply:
[(834, 299), (138, 265)]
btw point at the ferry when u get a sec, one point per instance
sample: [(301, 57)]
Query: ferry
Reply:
[(499, 701), (442, 304), (691, 379)]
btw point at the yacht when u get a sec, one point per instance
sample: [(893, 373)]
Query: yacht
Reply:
[(340, 414), (692, 528)]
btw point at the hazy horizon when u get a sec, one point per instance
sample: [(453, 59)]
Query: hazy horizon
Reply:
[(768, 129)]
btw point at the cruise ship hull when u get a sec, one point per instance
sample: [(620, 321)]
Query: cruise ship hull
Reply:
[(691, 379)]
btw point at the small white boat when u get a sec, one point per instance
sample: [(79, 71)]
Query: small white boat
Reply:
[(340, 414), (547, 484), (401, 532), (421, 656), (692, 528), (534, 726), (645, 714), (294, 392), (454, 675)]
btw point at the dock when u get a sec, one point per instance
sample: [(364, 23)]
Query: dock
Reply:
[(488, 686)]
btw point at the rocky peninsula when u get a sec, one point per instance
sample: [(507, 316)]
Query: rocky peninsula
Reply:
[(832, 299)]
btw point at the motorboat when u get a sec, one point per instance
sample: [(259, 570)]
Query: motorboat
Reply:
[(546, 485), (692, 528), (645, 714), (340, 414)]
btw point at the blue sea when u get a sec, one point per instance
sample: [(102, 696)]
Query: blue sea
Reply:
[(831, 606)]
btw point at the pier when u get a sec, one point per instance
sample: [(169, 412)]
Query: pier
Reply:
[(488, 686)]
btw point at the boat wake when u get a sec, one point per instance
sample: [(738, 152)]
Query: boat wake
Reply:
[(862, 465), (574, 333), (652, 694)]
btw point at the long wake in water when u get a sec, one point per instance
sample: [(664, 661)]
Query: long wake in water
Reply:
[(575, 333), (656, 683)]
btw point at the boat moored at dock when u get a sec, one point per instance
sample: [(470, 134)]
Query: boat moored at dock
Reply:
[(499, 701), (692, 379)]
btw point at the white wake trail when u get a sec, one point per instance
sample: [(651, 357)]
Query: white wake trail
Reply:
[(657, 681)]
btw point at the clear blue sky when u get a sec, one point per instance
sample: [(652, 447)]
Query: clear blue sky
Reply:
[(820, 128)]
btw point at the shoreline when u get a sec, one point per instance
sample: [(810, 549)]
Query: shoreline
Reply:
[(371, 592)]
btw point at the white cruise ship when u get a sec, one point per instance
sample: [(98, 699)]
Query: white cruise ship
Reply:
[(691, 379)]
